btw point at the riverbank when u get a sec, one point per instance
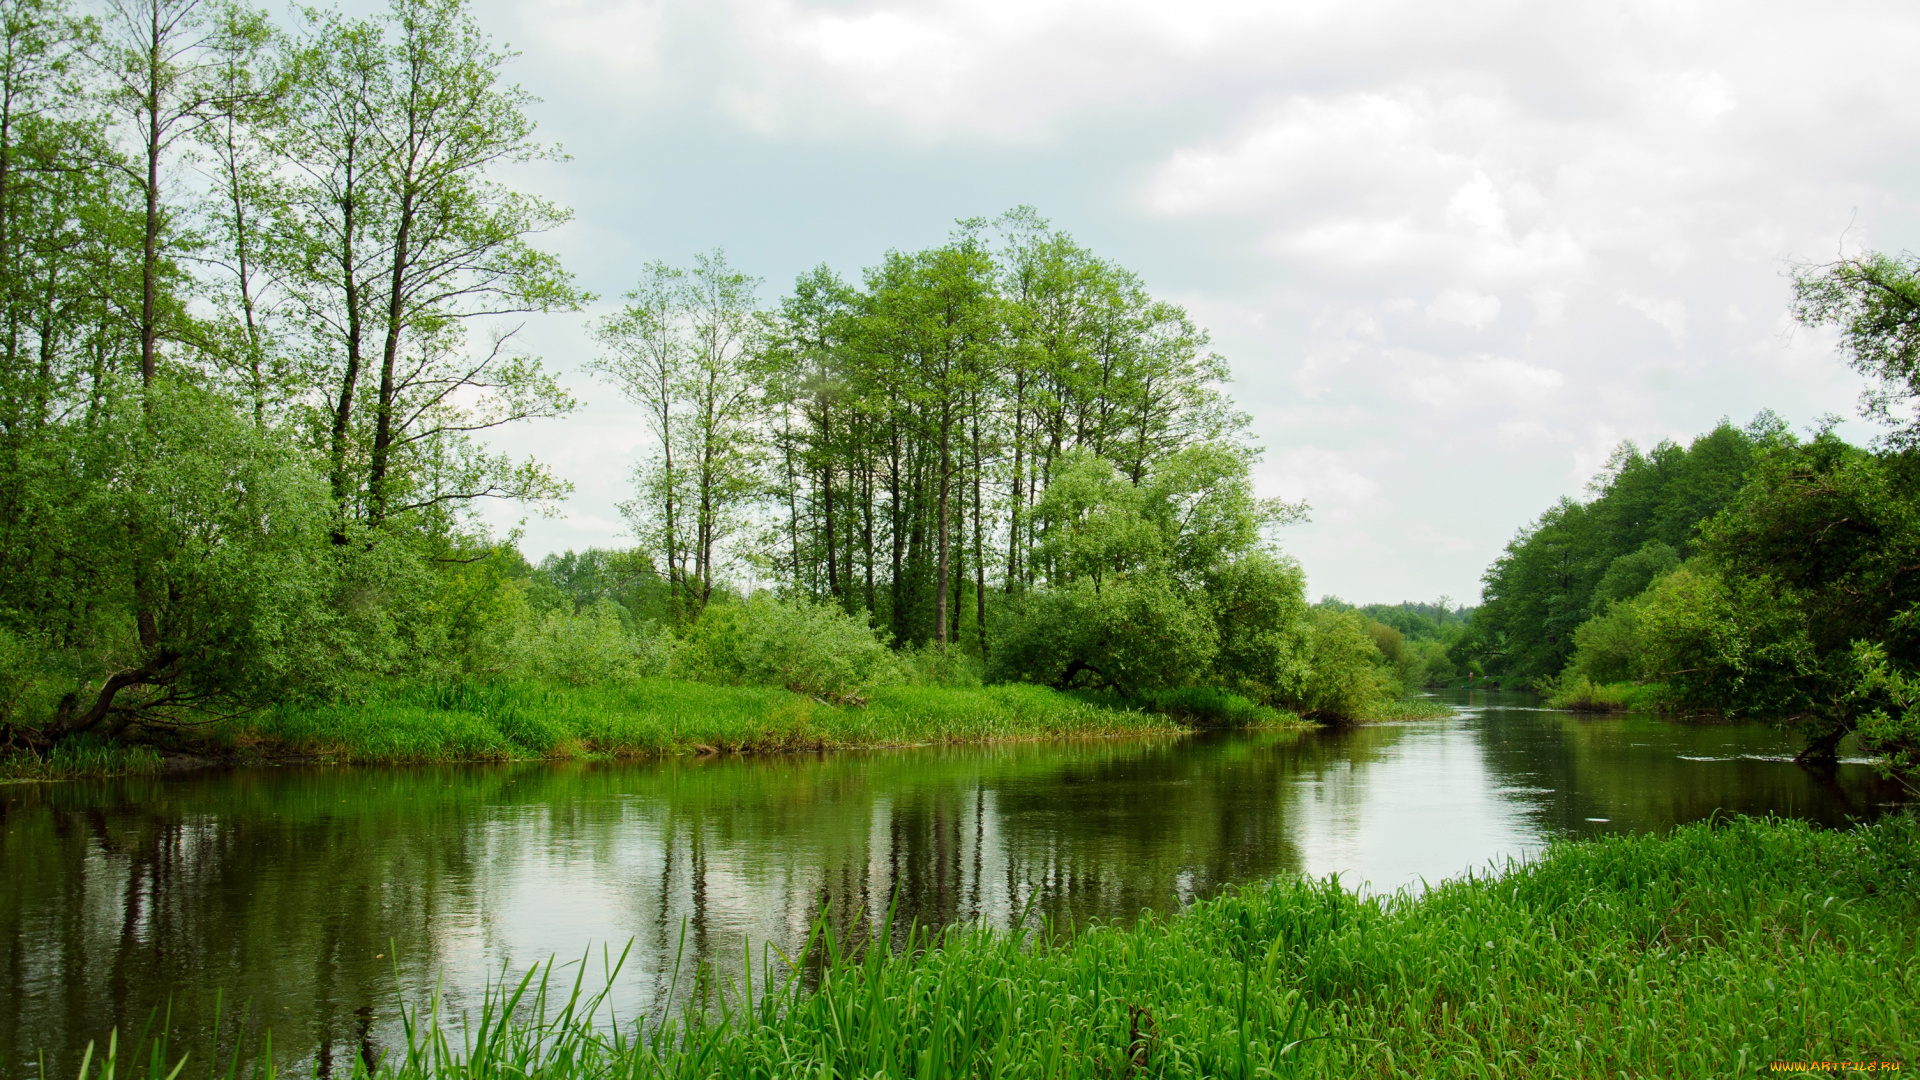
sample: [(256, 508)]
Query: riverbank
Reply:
[(659, 717), (1713, 951)]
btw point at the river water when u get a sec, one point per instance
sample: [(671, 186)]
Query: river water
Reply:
[(326, 897)]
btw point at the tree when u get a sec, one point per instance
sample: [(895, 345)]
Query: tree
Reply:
[(1874, 301), (688, 348), (396, 238), (1545, 585)]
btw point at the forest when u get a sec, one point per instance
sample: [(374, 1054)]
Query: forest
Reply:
[(1754, 573), (262, 286)]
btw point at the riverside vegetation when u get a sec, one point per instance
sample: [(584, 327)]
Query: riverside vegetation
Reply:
[(1753, 573), (1717, 950), (259, 291)]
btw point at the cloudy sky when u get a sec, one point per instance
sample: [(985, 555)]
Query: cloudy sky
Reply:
[(1454, 252)]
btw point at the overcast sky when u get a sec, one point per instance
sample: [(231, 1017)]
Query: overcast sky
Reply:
[(1454, 252)]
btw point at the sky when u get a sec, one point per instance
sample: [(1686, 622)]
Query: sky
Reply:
[(1454, 253)]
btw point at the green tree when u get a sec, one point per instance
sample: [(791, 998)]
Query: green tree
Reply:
[(688, 348), (1874, 302), (1545, 585), (394, 238)]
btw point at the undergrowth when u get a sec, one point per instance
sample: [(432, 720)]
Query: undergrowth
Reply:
[(79, 757)]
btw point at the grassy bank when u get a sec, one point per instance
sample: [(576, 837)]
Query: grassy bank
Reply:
[(80, 757), (1710, 952), (506, 721), (502, 721)]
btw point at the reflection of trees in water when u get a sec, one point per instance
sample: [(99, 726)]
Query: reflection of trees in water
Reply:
[(284, 887), (1640, 772), (140, 895), (294, 889)]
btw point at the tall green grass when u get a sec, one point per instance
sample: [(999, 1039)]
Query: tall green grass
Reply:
[(467, 721), (80, 757), (1710, 952)]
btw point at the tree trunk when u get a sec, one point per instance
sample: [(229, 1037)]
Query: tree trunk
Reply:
[(979, 549), (826, 497), (343, 406), (383, 433), (1019, 468), (940, 575), (150, 250)]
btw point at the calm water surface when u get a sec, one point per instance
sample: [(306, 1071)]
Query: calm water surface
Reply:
[(329, 896)]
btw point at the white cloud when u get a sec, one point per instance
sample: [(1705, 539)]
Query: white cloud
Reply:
[(1366, 194), (1475, 311), (1329, 480), (1446, 383), (1666, 312)]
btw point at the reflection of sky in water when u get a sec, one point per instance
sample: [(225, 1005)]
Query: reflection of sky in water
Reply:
[(1426, 808), (294, 888)]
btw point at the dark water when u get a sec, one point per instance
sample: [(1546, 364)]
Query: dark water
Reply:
[(304, 891)]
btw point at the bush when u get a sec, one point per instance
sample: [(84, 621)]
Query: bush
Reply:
[(1260, 611), (1581, 694), (1345, 674), (589, 647), (1134, 636), (926, 665), (809, 648), (1206, 706), (1607, 647)]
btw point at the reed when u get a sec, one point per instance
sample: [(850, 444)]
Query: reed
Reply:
[(80, 757), (1708, 952)]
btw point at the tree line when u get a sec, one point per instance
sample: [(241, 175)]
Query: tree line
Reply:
[(259, 285), (1753, 573)]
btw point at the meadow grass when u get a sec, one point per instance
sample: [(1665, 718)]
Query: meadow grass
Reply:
[(1713, 951), (471, 721)]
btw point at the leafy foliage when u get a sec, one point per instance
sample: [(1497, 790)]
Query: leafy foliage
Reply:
[(806, 647), (239, 420), (1550, 579)]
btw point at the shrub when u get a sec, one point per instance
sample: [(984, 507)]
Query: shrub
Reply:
[(589, 647), (809, 648), (926, 665), (1581, 694), (1134, 636), (1607, 647), (1345, 675), (1206, 706), (1260, 611)]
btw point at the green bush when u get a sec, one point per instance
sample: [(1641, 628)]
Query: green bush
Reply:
[(1581, 694), (1260, 612), (1134, 636), (809, 648), (927, 665), (1206, 706), (1607, 648), (589, 647), (1345, 673)]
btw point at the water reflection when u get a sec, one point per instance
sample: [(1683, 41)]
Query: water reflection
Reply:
[(326, 896)]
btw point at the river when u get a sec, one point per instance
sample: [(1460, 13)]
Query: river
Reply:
[(325, 897)]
